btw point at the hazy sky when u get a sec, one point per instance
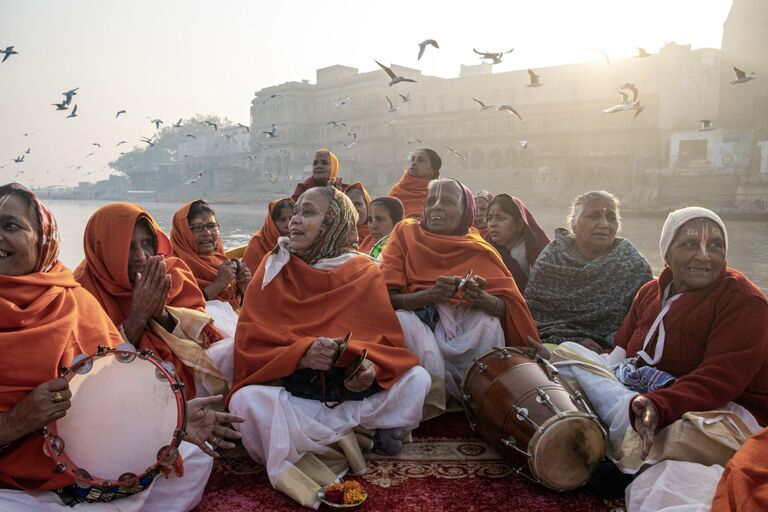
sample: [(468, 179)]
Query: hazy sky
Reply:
[(174, 58)]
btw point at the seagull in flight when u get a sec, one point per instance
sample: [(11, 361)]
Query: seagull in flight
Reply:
[(211, 123), (523, 143), (405, 97), (89, 155), (96, 144), (535, 79), (272, 133), (455, 153), (156, 122), (121, 142), (352, 134), (19, 159), (741, 76), (483, 106), (625, 104), (413, 141), (191, 136), (423, 46), (28, 151), (73, 113), (393, 78), (27, 134), (68, 95), (642, 53), (118, 113), (270, 177), (494, 57), (511, 110), (601, 52), (392, 108), (177, 124), (61, 106), (347, 146), (706, 125), (244, 127), (342, 101), (273, 97), (336, 124), (8, 52), (194, 180), (147, 140)]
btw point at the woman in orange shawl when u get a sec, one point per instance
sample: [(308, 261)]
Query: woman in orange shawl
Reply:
[(411, 189), (275, 225), (455, 297), (46, 319), (150, 295), (325, 171), (744, 484), (361, 200), (304, 299), (195, 240)]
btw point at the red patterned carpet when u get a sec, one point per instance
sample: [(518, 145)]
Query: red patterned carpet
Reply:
[(446, 468)]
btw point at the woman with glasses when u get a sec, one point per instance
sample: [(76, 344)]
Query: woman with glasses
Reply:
[(195, 239)]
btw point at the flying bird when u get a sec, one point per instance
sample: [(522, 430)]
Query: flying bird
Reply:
[(625, 104), (28, 151), (523, 143), (8, 52), (494, 57), (73, 113), (511, 110), (89, 155), (347, 146), (391, 108), (61, 106), (741, 76), (336, 124), (455, 153), (147, 140), (118, 113), (535, 79), (394, 79), (270, 177), (423, 46), (342, 101), (405, 97), (194, 180), (211, 123), (244, 127), (273, 97), (177, 124), (483, 106), (156, 122), (642, 53), (68, 95), (413, 141), (191, 136), (96, 144), (706, 125), (601, 52), (352, 134), (121, 142), (271, 134), (27, 134), (19, 159)]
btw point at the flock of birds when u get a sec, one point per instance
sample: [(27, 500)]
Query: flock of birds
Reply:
[(628, 92)]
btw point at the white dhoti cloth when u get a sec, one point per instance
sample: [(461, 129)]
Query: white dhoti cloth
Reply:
[(172, 494), (674, 486), (291, 435), (462, 335)]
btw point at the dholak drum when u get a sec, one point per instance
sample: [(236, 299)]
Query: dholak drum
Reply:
[(516, 403), (126, 421)]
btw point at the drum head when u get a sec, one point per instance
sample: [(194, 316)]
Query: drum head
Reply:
[(122, 414), (567, 452)]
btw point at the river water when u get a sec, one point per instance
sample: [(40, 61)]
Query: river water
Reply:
[(747, 240)]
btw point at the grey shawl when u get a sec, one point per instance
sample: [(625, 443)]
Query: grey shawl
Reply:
[(571, 297)]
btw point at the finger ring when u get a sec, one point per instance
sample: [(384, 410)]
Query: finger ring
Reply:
[(57, 397), (214, 440)]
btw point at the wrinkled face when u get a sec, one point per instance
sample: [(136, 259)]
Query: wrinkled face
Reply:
[(421, 166), (381, 222), (358, 200), (481, 210), (696, 255), (443, 207), (206, 232), (321, 168), (282, 221), (142, 247), (18, 237), (503, 228), (306, 222), (595, 225)]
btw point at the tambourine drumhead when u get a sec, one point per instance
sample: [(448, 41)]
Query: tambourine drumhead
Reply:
[(122, 415)]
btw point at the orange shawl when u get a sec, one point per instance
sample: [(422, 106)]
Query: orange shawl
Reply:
[(205, 267), (279, 323), (46, 319), (364, 242), (263, 241), (104, 273), (412, 192), (334, 178), (415, 258), (744, 484)]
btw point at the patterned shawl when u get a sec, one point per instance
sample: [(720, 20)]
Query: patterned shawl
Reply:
[(571, 297), (338, 232), (48, 242)]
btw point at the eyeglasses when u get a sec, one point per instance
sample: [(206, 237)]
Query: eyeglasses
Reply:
[(213, 227)]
